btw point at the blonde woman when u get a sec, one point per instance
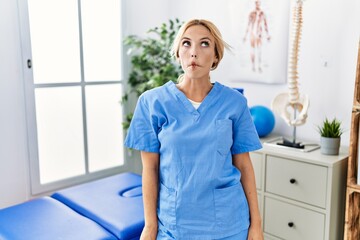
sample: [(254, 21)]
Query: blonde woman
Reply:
[(195, 137)]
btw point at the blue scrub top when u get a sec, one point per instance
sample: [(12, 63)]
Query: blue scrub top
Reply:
[(200, 193)]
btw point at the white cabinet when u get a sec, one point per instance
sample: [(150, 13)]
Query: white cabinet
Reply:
[(301, 195)]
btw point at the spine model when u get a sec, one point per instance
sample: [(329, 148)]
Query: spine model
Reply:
[(294, 55), (293, 100)]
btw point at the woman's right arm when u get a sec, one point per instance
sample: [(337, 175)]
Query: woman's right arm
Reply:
[(150, 188)]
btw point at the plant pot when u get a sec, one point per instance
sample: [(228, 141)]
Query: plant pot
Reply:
[(330, 146)]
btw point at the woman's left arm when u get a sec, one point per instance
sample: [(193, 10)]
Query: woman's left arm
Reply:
[(242, 161)]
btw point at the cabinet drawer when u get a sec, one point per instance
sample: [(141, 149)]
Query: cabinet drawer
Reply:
[(296, 180), (287, 221), (257, 161)]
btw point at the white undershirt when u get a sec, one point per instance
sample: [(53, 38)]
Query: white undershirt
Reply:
[(195, 104)]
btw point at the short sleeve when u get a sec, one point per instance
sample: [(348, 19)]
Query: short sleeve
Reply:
[(245, 136), (143, 130)]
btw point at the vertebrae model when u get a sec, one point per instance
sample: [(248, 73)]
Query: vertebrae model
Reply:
[(293, 99)]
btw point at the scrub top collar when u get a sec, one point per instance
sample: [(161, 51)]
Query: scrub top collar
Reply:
[(187, 104)]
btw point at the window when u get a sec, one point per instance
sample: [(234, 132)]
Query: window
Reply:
[(73, 89)]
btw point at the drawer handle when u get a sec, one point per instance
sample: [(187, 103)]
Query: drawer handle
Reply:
[(293, 180), (291, 224)]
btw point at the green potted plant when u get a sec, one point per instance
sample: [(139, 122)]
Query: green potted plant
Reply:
[(330, 132), (152, 63)]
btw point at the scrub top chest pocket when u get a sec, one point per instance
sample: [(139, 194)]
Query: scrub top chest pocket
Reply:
[(224, 135)]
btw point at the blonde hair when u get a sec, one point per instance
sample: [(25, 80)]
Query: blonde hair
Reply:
[(220, 44)]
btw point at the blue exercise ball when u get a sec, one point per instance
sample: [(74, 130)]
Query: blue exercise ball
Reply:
[(263, 118)]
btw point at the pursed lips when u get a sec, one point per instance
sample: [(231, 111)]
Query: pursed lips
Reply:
[(193, 64)]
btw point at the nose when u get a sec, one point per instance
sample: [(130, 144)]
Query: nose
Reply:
[(194, 51)]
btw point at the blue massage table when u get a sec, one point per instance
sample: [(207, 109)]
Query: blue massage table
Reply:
[(107, 209)]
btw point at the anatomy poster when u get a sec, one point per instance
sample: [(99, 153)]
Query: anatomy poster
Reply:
[(258, 32)]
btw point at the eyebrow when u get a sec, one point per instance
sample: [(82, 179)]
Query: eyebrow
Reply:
[(204, 38)]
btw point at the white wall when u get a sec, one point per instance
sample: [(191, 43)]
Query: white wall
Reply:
[(331, 33), (141, 15)]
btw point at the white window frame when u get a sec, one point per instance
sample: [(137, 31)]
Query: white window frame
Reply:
[(29, 92)]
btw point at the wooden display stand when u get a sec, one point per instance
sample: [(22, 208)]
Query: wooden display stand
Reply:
[(352, 214)]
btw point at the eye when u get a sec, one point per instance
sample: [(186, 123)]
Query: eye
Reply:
[(186, 43), (205, 44)]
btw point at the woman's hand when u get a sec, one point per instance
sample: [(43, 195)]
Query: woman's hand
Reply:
[(255, 232), (149, 233)]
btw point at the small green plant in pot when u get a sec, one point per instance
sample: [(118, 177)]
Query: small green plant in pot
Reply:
[(330, 132)]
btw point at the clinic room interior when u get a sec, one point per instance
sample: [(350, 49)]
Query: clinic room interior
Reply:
[(69, 82)]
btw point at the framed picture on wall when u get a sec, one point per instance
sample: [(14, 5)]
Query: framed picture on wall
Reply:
[(258, 32)]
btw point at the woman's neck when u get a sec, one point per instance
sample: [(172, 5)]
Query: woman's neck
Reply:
[(195, 89)]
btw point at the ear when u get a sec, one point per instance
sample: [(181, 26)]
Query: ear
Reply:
[(215, 62), (178, 58)]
